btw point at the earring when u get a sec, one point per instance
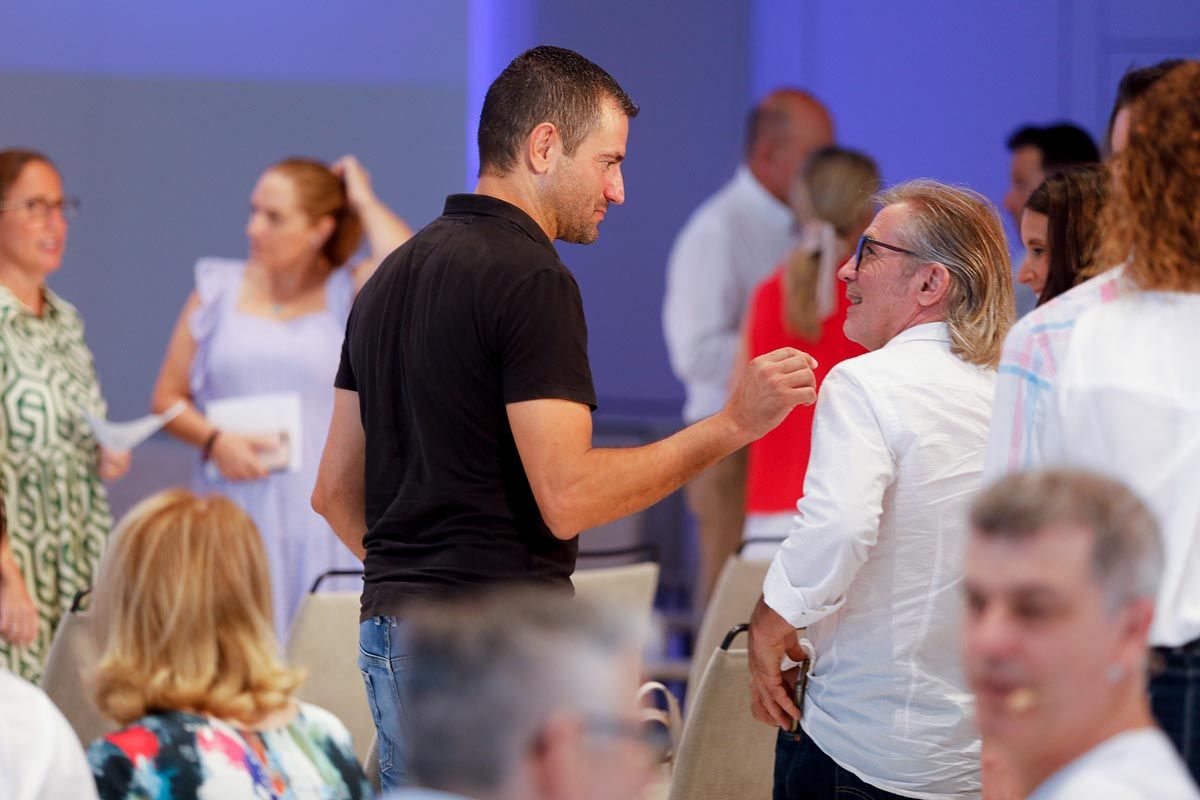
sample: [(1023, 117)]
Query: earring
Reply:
[(1115, 673)]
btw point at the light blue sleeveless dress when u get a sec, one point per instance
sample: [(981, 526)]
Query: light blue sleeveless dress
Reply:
[(240, 354)]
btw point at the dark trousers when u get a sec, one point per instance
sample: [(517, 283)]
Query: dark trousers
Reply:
[(803, 772), (1175, 699)]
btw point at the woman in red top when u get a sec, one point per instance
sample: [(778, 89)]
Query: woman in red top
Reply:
[(801, 305)]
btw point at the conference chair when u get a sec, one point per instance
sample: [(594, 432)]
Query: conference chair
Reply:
[(73, 651), (737, 590), (632, 586), (724, 752), (324, 641)]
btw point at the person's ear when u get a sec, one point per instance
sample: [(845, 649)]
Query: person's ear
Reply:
[(544, 146), (1133, 632), (322, 230), (934, 284), (555, 761)]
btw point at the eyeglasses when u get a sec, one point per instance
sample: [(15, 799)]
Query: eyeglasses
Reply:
[(41, 207), (865, 242), (653, 737)]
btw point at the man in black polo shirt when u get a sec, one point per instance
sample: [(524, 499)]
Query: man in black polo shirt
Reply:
[(459, 454)]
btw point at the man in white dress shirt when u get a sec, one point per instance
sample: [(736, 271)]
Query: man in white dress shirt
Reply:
[(1061, 574), (730, 243), (873, 562), (526, 695)]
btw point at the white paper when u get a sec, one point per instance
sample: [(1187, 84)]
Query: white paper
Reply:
[(128, 435), (259, 414)]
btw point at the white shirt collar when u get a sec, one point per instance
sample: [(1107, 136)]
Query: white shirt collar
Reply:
[(926, 331)]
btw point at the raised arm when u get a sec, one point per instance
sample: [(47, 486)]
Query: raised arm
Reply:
[(578, 486), (384, 230)]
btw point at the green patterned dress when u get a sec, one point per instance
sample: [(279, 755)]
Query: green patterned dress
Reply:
[(58, 516)]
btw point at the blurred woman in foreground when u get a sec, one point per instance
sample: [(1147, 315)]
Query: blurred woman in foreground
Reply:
[(190, 667)]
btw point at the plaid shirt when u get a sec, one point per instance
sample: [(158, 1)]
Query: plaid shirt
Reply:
[(1029, 365)]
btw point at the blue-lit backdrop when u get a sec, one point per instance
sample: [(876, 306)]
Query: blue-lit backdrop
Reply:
[(161, 115)]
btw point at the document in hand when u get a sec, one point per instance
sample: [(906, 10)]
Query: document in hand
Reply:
[(261, 414), (128, 435)]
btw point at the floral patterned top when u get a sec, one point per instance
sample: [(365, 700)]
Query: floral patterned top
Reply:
[(183, 756)]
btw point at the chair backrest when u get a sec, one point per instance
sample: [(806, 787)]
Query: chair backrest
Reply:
[(371, 765), (324, 641), (71, 653), (631, 585), (738, 589), (724, 752)]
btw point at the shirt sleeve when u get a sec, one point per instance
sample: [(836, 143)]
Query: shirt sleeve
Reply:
[(542, 340), (1024, 383), (837, 524), (345, 373), (702, 309)]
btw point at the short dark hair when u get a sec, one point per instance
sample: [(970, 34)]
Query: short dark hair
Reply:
[(545, 84), (1135, 83), (1127, 549), (1059, 144)]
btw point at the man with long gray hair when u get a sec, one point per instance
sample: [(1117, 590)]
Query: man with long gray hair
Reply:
[(525, 696), (871, 565), (1062, 571)]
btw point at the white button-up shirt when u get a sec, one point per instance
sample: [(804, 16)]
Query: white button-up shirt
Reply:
[(1134, 765), (40, 756), (1127, 404), (873, 564), (727, 247)]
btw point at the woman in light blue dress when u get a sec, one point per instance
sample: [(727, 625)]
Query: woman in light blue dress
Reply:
[(273, 325)]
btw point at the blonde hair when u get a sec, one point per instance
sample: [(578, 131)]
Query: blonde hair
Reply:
[(183, 614), (837, 186), (1153, 219), (959, 229)]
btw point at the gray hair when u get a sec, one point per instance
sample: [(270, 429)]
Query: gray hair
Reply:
[(1127, 551), (960, 229), (500, 665)]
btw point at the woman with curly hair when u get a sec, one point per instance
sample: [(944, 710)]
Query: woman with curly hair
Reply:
[(1127, 401), (190, 667)]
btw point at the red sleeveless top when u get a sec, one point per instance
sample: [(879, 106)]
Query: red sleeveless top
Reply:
[(777, 462)]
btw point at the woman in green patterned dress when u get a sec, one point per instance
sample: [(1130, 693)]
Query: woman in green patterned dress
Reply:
[(50, 465)]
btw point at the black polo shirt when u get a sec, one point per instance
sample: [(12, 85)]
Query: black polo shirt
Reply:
[(474, 312)]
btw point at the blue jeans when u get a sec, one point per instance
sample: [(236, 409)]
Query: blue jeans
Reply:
[(1175, 699), (803, 772), (382, 654)]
